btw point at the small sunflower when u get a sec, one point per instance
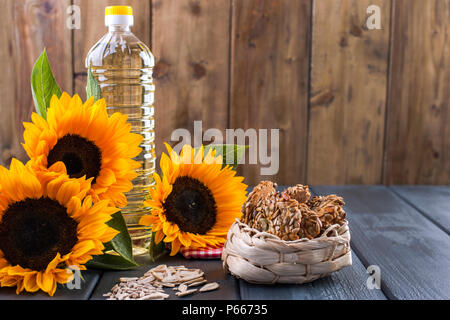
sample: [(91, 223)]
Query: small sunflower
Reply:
[(195, 201), (47, 225), (88, 142)]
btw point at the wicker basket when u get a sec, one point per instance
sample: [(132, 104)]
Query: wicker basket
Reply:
[(260, 257)]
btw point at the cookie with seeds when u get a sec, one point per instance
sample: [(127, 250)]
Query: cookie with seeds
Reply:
[(291, 214)]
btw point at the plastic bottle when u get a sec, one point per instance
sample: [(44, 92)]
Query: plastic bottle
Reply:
[(123, 66)]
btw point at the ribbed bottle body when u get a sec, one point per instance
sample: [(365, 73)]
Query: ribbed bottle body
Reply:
[(123, 66)]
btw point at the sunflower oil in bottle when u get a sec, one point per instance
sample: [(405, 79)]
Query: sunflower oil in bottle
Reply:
[(123, 67)]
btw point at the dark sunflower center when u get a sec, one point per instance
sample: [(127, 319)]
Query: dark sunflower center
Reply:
[(80, 156), (33, 231), (191, 206)]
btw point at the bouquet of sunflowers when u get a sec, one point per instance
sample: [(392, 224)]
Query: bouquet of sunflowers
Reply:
[(61, 210)]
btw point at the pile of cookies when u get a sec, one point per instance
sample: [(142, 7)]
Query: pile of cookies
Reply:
[(291, 214)]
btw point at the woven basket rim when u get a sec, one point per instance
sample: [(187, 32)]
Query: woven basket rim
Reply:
[(272, 237)]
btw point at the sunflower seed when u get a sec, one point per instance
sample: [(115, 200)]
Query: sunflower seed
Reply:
[(185, 293), (154, 296), (209, 287), (292, 221), (168, 285), (128, 279), (169, 279), (120, 296), (146, 280), (193, 280), (182, 287), (161, 267), (195, 284), (158, 276), (191, 277)]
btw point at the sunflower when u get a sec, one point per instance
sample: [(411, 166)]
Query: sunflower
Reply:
[(88, 142), (195, 201), (47, 225)]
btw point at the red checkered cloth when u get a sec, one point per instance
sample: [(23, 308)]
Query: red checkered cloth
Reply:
[(202, 253)]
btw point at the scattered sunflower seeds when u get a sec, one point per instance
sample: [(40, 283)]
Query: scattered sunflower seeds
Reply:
[(151, 285)]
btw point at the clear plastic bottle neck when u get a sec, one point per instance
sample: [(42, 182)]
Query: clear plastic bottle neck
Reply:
[(119, 28)]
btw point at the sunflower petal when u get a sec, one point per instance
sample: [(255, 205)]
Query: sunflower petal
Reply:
[(175, 247), (30, 282), (46, 282), (159, 236)]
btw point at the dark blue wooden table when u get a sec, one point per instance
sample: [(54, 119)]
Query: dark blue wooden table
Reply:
[(402, 231)]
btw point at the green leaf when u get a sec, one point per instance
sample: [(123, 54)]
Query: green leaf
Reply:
[(156, 250), (110, 262), (231, 153), (93, 88), (120, 247), (122, 242), (43, 85), (108, 247)]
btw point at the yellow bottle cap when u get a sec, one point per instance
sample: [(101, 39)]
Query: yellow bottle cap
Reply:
[(119, 11), (119, 15)]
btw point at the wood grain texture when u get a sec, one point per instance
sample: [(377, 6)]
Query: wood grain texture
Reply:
[(411, 251), (191, 46), (213, 270), (30, 26), (431, 201), (346, 284), (269, 79), (9, 131), (418, 134), (348, 93), (93, 29)]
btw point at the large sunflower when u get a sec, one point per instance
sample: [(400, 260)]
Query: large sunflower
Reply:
[(195, 201), (88, 142), (46, 225)]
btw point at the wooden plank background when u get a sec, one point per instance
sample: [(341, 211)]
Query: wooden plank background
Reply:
[(348, 93), (354, 106), (418, 135), (269, 78)]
